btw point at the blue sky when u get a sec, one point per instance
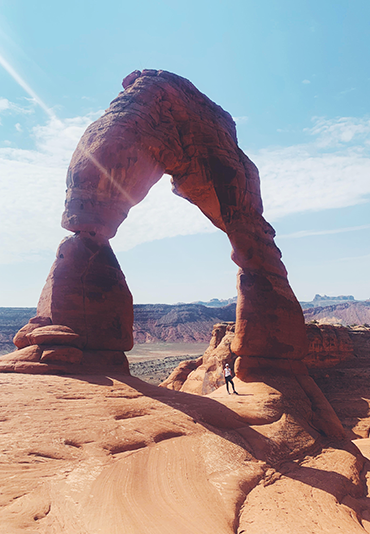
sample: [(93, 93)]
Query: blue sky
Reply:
[(294, 75)]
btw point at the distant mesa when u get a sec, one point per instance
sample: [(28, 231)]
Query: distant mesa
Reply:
[(216, 303), (324, 300), (340, 297)]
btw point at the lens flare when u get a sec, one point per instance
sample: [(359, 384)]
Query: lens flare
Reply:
[(20, 81)]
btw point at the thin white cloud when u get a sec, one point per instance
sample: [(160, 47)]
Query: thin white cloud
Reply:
[(241, 120), (346, 91), (340, 132), (32, 190), (294, 180), (330, 171), (10, 107), (308, 233), (161, 214), (355, 258), (4, 104), (306, 82)]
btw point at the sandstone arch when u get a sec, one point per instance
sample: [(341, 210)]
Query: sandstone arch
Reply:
[(162, 124)]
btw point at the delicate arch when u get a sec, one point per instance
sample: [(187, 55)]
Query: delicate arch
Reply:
[(162, 124)]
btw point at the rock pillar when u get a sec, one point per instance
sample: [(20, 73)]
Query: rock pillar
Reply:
[(270, 330)]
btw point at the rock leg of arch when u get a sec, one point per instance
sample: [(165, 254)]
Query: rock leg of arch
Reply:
[(162, 124)]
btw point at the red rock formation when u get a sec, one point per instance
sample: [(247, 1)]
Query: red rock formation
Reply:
[(86, 291), (327, 346), (162, 124), (204, 375), (86, 305)]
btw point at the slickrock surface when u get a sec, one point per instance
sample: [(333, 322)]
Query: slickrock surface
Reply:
[(107, 455)]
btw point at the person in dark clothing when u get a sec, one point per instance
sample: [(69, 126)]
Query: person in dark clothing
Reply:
[(229, 379)]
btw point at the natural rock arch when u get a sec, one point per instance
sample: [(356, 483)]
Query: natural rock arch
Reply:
[(160, 124)]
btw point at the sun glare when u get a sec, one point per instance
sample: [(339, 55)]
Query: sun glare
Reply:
[(14, 74)]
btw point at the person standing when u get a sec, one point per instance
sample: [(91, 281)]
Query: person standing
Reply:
[(229, 379)]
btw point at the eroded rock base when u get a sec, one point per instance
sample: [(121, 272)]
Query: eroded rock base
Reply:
[(57, 359)]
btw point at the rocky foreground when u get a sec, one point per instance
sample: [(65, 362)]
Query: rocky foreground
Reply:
[(113, 454)]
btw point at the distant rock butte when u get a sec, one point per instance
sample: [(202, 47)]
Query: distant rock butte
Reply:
[(216, 303), (324, 300), (319, 298)]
